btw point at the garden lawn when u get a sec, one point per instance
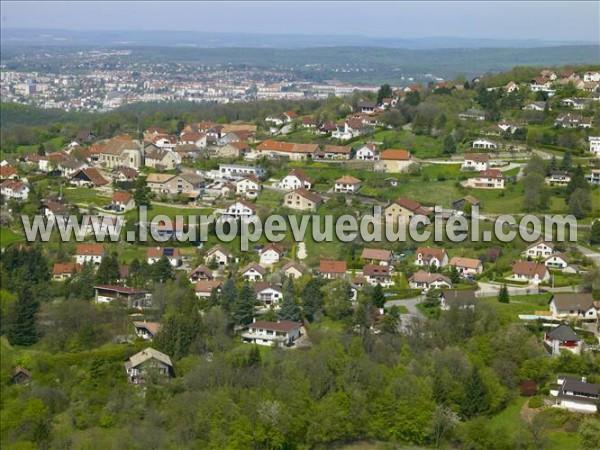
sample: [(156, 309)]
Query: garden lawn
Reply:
[(7, 237)]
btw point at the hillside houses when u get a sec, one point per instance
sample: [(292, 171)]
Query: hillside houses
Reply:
[(186, 183), (429, 256), (403, 209), (532, 272), (476, 161), (295, 152), (487, 179), (367, 152), (302, 200)]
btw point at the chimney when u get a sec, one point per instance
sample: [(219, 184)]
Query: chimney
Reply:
[(584, 379), (253, 319)]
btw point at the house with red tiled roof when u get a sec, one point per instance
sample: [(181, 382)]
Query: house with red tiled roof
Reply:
[(332, 269), (296, 179), (367, 152), (424, 280), (204, 288), (429, 256), (253, 272), (146, 330), (122, 201), (14, 189), (8, 173), (377, 274), (394, 161), (467, 266), (89, 253), (346, 185), (476, 161), (201, 272), (62, 271), (302, 200)]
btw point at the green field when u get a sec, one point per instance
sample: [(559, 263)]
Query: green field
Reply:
[(7, 237)]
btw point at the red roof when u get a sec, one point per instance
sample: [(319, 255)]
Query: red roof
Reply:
[(90, 249), (332, 266), (66, 268), (491, 173), (395, 155), (315, 198), (122, 197), (429, 252), (207, 285), (411, 205), (375, 270)]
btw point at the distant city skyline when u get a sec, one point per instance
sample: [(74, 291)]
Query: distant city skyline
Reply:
[(536, 20)]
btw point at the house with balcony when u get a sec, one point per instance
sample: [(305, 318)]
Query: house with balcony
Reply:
[(562, 337), (280, 333), (148, 363)]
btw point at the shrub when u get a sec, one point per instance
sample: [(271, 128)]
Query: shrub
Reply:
[(535, 402)]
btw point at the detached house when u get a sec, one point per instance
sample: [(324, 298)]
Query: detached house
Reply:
[(573, 121), (122, 201), (89, 253), (200, 273), (347, 185), (425, 281), (332, 269), (253, 272), (88, 177), (204, 288), (377, 274), (302, 200), (148, 363), (476, 161), (280, 333), (155, 254), (293, 270), (487, 179), (161, 159), (561, 338), (240, 209), (557, 261), (270, 254), (16, 190), (428, 256), (146, 330), (393, 161), (485, 144), (467, 266), (595, 145), (295, 152), (268, 294), (575, 305), (62, 271), (334, 152), (296, 179), (377, 256), (457, 298), (367, 152), (404, 209), (575, 394), (249, 186), (472, 114), (218, 255), (533, 272), (540, 249)]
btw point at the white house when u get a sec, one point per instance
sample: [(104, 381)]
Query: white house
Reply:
[(249, 186), (347, 185), (253, 272), (13, 189), (367, 152), (476, 161), (377, 274), (487, 179), (268, 294), (591, 76), (540, 249), (575, 395), (270, 254), (155, 254), (239, 209), (282, 332), (296, 179), (556, 261), (237, 171), (293, 270), (485, 144), (89, 253), (573, 305), (428, 256), (595, 145), (122, 201)]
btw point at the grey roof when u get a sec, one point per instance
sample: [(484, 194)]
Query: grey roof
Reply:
[(563, 332), (576, 385), (573, 301), (147, 354)]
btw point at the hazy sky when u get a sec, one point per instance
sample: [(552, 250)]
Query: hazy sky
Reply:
[(551, 20)]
